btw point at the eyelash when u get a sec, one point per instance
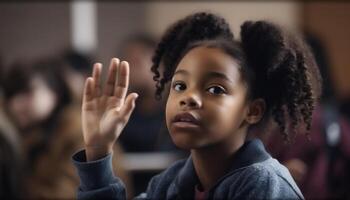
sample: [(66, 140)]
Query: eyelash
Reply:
[(175, 84), (222, 91)]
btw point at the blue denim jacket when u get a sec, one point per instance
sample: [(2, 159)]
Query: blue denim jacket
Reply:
[(253, 175)]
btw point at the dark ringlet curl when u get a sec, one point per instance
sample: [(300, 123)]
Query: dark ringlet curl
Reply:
[(277, 66), (196, 27), (285, 74)]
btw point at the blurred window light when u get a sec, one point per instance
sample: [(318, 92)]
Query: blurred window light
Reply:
[(333, 134), (83, 25)]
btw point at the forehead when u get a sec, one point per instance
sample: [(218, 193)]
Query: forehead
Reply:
[(201, 60)]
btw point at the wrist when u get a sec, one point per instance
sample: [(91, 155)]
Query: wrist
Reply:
[(97, 152)]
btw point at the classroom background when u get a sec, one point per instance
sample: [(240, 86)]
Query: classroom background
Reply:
[(47, 50)]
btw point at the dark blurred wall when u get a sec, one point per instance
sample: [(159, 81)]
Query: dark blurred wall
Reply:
[(30, 30), (331, 23), (115, 22)]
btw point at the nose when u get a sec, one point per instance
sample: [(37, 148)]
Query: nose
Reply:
[(190, 100)]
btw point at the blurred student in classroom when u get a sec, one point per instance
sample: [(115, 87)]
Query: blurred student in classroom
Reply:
[(320, 165), (38, 112)]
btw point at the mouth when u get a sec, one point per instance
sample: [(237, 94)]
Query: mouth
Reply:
[(185, 120)]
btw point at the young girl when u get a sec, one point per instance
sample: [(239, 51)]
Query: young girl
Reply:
[(222, 91)]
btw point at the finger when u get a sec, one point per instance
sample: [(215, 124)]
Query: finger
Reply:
[(88, 93), (111, 77), (122, 82), (129, 106), (96, 75)]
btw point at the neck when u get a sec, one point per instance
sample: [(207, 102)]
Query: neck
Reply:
[(213, 162)]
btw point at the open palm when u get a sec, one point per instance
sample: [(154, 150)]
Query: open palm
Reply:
[(105, 113)]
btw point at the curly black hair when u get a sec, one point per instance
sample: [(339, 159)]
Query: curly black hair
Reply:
[(277, 65)]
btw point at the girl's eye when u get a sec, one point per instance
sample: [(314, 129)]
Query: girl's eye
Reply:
[(179, 86), (217, 90)]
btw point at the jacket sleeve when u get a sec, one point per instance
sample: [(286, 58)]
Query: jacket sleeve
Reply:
[(97, 180)]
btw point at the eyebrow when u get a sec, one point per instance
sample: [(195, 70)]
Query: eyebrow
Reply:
[(219, 75), (181, 71), (211, 74)]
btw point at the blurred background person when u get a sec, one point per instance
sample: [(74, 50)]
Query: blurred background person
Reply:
[(37, 100), (11, 176), (345, 107), (320, 164), (146, 125), (35, 96), (77, 67), (10, 169)]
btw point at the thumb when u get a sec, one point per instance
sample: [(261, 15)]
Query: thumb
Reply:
[(129, 105)]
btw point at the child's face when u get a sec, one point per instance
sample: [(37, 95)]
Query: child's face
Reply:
[(32, 107), (207, 101)]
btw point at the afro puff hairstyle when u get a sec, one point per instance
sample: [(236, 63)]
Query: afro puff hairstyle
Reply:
[(277, 65)]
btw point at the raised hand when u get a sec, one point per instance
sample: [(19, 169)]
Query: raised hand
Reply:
[(105, 113)]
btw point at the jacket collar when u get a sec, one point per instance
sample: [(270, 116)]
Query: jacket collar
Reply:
[(251, 152)]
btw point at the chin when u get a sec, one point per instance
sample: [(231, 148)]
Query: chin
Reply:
[(184, 146), (185, 143)]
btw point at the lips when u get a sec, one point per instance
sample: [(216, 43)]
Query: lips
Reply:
[(186, 120)]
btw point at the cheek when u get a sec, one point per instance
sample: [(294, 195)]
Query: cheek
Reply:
[(21, 110), (169, 110), (19, 104), (226, 117)]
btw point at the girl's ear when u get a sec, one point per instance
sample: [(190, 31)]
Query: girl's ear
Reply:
[(256, 111)]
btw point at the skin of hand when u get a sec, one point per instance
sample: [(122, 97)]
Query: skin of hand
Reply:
[(106, 112)]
